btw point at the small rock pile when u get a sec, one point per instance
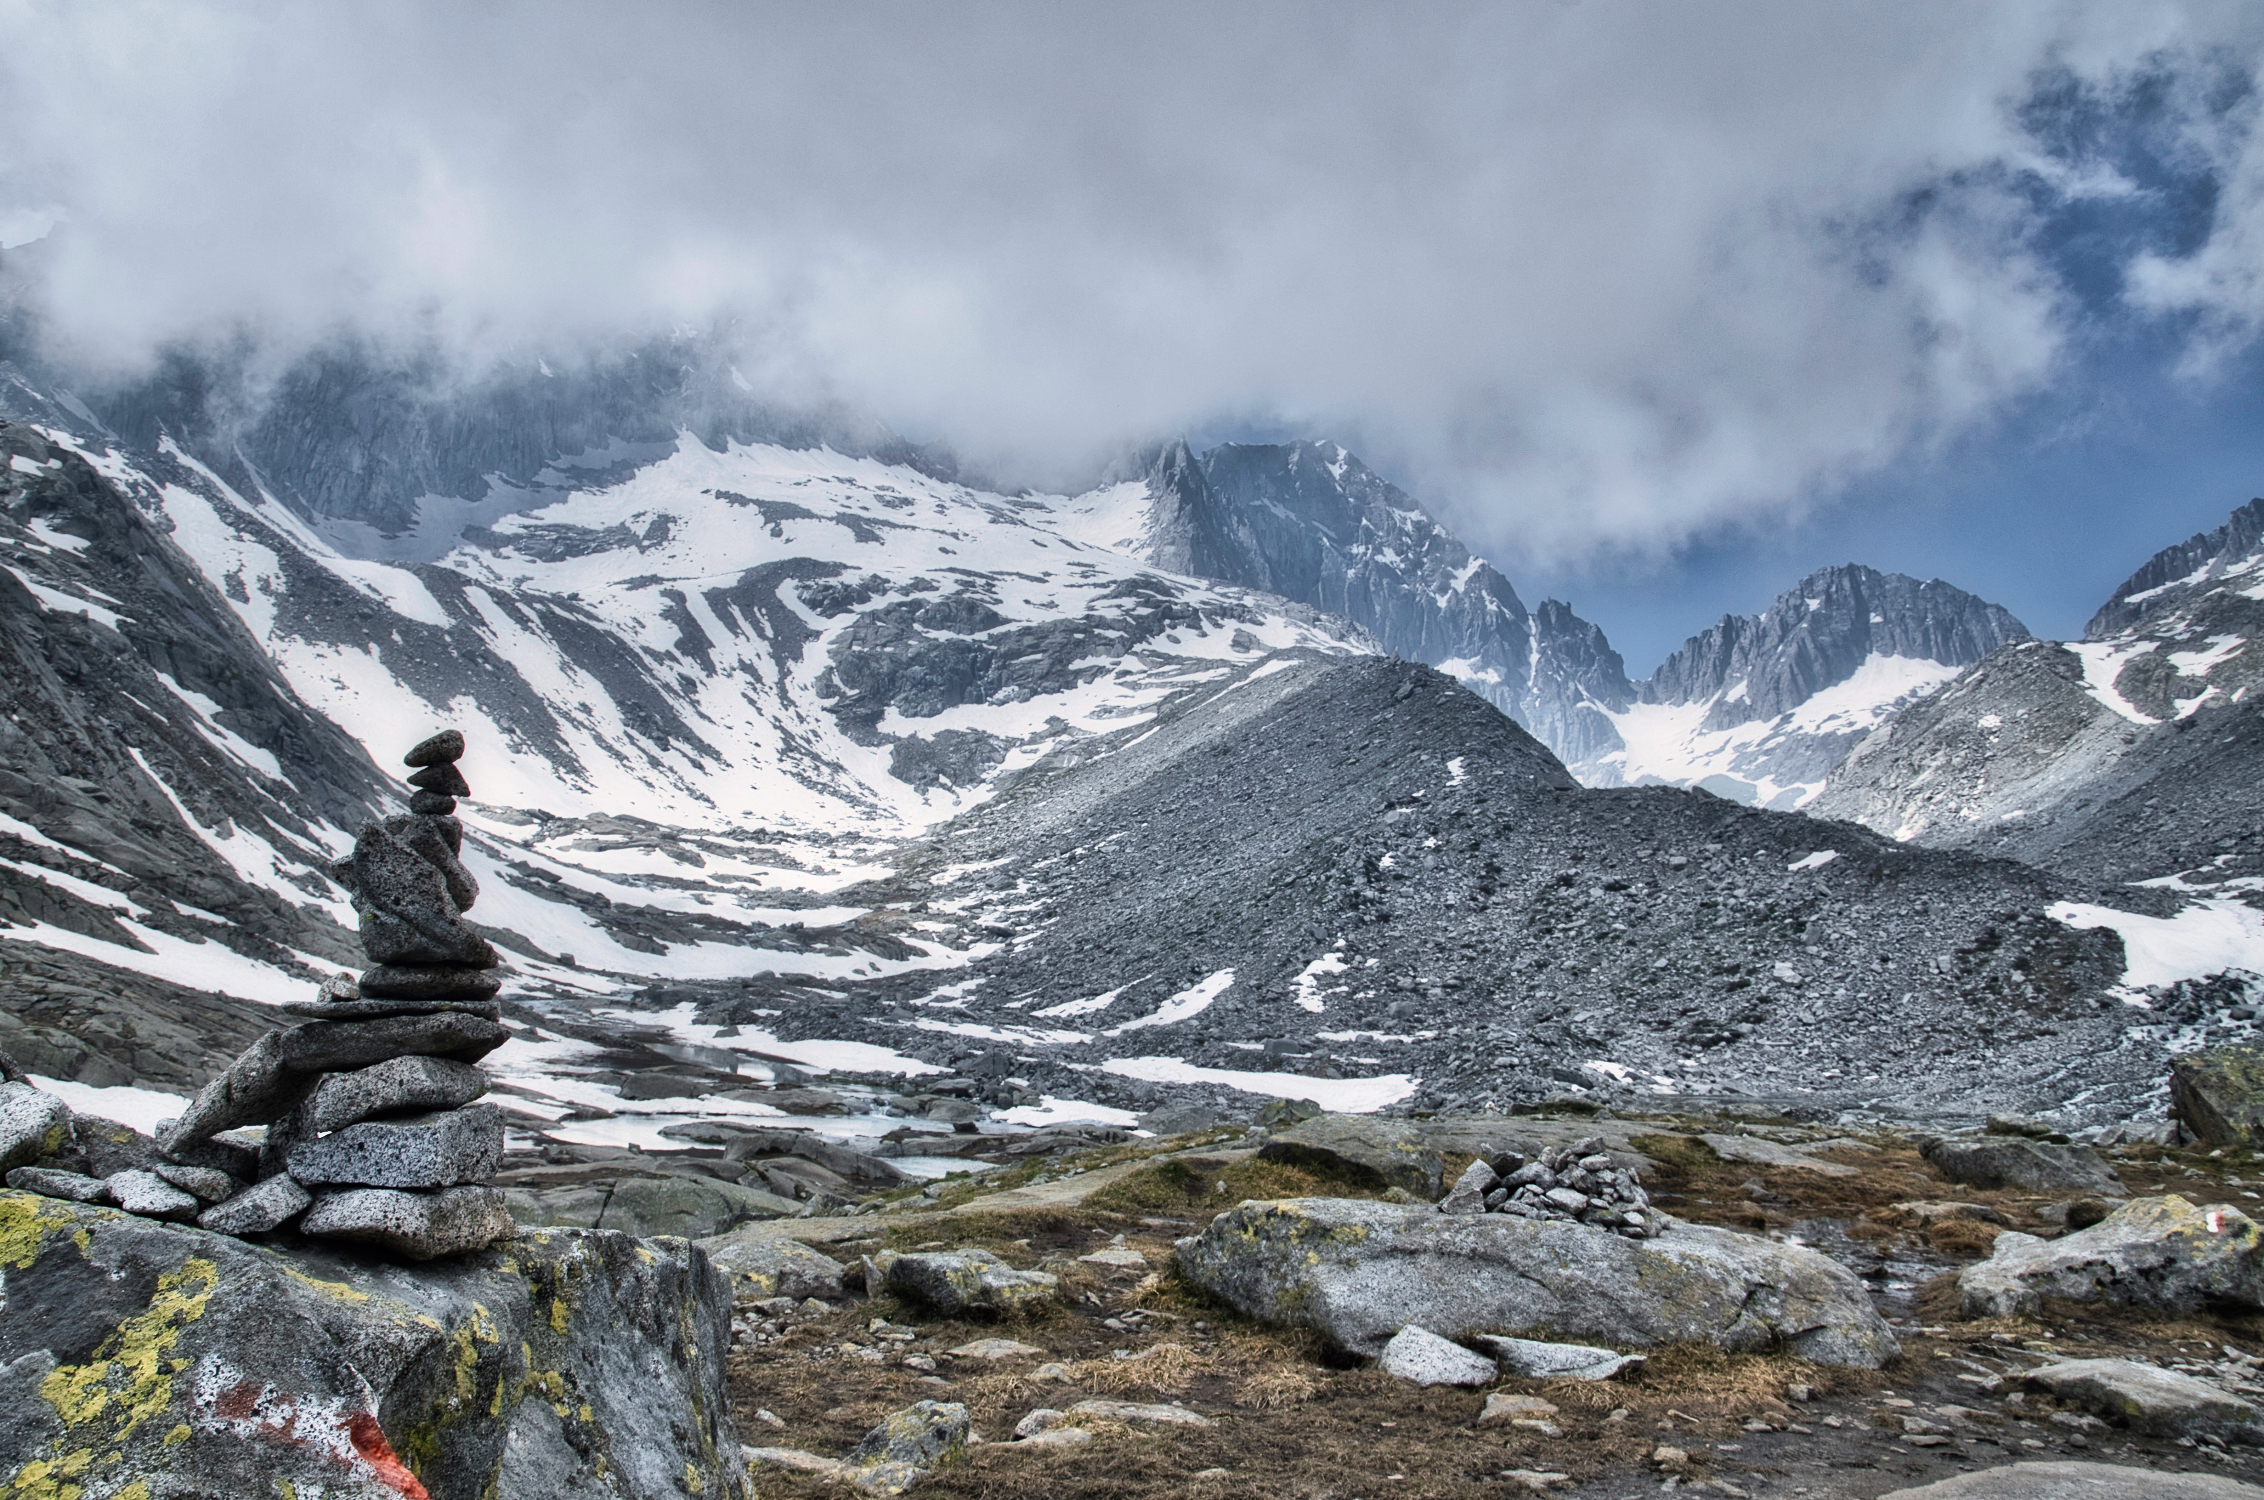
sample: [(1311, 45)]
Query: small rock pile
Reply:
[(1579, 1183), (369, 1138)]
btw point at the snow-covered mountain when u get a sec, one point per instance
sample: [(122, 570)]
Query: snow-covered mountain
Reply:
[(1310, 522), (790, 759), (2135, 753), (1761, 708)]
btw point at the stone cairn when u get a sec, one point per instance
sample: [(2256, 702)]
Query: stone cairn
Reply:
[(369, 1138), (1578, 1183)]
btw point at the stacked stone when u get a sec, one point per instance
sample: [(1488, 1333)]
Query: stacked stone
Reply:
[(372, 1134), (1578, 1183)]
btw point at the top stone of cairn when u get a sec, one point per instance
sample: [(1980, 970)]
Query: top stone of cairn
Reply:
[(440, 750)]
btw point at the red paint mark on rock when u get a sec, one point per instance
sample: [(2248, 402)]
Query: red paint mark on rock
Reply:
[(238, 1401), (369, 1441)]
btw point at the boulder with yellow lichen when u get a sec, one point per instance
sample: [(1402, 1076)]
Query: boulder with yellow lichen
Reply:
[(141, 1360)]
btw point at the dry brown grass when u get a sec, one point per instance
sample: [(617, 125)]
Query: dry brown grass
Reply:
[(1199, 1187)]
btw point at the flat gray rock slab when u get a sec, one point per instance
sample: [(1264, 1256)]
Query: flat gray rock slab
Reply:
[(2148, 1399), (415, 1226), (151, 1196), (422, 1151), (1751, 1148), (51, 1183), (1359, 1271), (2076, 1481), (2164, 1253), (277, 1072), (259, 1209), (1537, 1360), (393, 1086), (2007, 1161), (1394, 1152), (1419, 1355), (207, 1184)]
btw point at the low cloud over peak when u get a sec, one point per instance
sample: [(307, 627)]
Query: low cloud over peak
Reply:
[(1599, 277)]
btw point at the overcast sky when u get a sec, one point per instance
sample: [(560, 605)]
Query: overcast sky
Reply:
[(1659, 305)]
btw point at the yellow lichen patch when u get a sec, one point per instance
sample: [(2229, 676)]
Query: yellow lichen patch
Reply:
[(138, 1490), (337, 1289), (25, 1219), (179, 1434), (130, 1378), (558, 1323)]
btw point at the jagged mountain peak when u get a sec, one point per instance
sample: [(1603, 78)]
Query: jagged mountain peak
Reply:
[(1761, 707), (2194, 566), (1310, 521), (2131, 755)]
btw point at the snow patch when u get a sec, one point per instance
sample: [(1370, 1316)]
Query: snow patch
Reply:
[(2102, 664), (2207, 937), (1346, 1096), (1816, 861), (1189, 1002)]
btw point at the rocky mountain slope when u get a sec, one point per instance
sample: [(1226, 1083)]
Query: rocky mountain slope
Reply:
[(165, 796), (2134, 754), (1309, 521), (1356, 882), (1761, 708)]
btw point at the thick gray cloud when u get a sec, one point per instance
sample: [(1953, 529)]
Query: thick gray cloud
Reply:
[(1599, 276)]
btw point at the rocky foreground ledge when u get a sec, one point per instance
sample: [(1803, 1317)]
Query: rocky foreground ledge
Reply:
[(567, 1363)]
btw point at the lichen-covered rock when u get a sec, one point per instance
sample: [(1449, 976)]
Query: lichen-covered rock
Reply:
[(958, 1281), (574, 1364), (33, 1124), (1359, 1271), (1393, 1152), (768, 1265), (2162, 1253), (2149, 1400), (2218, 1095)]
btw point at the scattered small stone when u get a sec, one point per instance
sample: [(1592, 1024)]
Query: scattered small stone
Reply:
[(1120, 1258), (1135, 1411), (1503, 1406), (1419, 1355), (988, 1349), (1538, 1480)]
